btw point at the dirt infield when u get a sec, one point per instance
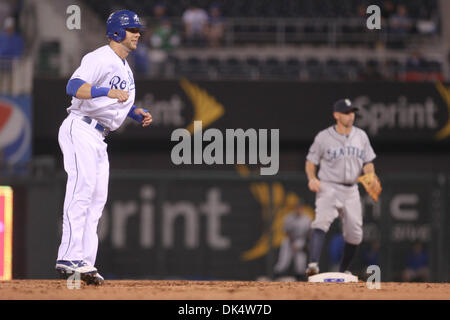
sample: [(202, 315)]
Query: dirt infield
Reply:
[(219, 290)]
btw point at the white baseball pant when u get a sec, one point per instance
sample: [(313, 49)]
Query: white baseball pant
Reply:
[(87, 166)]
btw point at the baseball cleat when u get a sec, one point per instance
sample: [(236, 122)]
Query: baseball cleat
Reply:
[(348, 272), (66, 268), (312, 269), (95, 279), (63, 274)]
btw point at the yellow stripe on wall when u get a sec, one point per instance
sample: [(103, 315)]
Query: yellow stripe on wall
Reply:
[(7, 193)]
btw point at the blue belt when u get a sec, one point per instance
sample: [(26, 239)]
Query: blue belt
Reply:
[(98, 126)]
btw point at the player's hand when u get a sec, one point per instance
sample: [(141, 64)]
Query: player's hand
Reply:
[(118, 94), (147, 116), (314, 185)]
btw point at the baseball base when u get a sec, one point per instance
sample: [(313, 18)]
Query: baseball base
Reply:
[(333, 277)]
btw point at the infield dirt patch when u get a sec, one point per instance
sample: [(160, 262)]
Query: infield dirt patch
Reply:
[(219, 290)]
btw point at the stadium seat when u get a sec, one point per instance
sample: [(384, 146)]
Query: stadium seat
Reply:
[(353, 68), (232, 67), (316, 32), (253, 66), (419, 65), (434, 66), (295, 32), (272, 67), (394, 64), (193, 67), (293, 67), (314, 68), (253, 62), (334, 69), (213, 63)]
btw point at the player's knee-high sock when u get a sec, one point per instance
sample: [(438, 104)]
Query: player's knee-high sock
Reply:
[(347, 257), (316, 240)]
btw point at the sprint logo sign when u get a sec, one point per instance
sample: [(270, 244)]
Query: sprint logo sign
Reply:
[(221, 149), (174, 111), (444, 132), (424, 114), (206, 107), (400, 114), (278, 202)]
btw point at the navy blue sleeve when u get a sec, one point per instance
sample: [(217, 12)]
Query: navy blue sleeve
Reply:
[(73, 85)]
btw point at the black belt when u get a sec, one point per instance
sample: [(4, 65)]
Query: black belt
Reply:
[(98, 126), (347, 184), (343, 184)]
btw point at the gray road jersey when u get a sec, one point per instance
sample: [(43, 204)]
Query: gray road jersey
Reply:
[(339, 157), (296, 226)]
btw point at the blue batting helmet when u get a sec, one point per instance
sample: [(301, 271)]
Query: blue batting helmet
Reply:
[(119, 21)]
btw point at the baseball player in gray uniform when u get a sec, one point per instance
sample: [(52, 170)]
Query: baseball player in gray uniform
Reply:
[(342, 152), (296, 225), (103, 92)]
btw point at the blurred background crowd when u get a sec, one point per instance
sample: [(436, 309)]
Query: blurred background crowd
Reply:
[(285, 24), (256, 39)]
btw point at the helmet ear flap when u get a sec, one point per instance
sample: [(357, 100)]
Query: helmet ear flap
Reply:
[(117, 35), (121, 34)]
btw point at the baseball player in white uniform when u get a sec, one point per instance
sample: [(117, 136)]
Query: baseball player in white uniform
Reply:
[(103, 93), (296, 225), (342, 152)]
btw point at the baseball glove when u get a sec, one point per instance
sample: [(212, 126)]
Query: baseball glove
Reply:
[(372, 184)]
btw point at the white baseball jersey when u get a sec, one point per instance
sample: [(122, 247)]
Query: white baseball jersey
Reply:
[(104, 68)]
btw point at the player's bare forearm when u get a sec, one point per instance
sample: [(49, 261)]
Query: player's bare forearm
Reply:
[(313, 182), (369, 168), (147, 116), (84, 92), (310, 169)]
